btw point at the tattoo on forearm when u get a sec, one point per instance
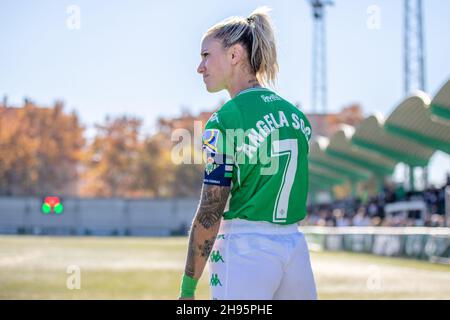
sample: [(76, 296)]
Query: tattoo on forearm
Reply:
[(214, 199), (209, 213), (206, 247), (190, 262)]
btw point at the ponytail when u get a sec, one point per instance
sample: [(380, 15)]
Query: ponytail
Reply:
[(263, 57)]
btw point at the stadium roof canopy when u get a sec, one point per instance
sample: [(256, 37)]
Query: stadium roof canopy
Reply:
[(317, 177), (319, 158), (341, 147), (440, 105), (412, 120), (413, 131), (371, 134), (316, 185), (333, 177)]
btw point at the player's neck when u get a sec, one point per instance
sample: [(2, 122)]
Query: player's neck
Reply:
[(242, 84)]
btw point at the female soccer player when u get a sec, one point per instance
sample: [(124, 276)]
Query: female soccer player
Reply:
[(256, 175)]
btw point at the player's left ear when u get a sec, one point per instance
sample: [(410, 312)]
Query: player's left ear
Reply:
[(235, 53)]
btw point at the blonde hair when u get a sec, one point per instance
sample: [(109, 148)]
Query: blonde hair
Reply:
[(256, 35)]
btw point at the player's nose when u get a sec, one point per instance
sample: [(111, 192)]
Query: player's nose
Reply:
[(201, 68)]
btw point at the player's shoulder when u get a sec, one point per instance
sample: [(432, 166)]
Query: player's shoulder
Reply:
[(228, 109), (225, 117), (297, 109), (297, 114)]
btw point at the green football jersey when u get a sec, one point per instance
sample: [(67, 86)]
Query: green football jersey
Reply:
[(258, 144)]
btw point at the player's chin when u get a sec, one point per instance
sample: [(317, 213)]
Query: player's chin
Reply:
[(212, 89)]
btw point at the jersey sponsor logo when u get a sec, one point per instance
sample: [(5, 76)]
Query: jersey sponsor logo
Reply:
[(270, 98), (210, 140)]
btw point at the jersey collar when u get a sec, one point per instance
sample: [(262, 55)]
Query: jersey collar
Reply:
[(251, 90)]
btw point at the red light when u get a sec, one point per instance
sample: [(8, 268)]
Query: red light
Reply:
[(52, 201)]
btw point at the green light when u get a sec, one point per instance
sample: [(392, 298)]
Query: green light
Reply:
[(58, 208), (46, 208)]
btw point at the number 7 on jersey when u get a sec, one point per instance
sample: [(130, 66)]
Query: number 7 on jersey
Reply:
[(289, 148)]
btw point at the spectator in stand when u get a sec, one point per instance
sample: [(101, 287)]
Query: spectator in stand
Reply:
[(340, 219), (400, 193), (373, 209), (361, 219), (353, 211), (441, 200), (375, 221), (437, 220)]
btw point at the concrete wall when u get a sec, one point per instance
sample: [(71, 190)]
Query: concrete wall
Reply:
[(158, 217)]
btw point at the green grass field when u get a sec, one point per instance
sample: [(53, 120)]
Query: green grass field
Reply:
[(150, 268)]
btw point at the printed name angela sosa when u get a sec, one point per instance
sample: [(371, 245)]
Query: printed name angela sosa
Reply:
[(226, 309)]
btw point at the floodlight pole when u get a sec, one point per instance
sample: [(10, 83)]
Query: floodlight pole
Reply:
[(319, 70), (414, 61)]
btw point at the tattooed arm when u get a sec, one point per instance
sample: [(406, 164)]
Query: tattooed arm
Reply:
[(205, 227)]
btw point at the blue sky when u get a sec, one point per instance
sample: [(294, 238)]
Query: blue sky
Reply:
[(140, 57)]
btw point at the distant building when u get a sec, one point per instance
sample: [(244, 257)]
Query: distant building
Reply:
[(327, 124)]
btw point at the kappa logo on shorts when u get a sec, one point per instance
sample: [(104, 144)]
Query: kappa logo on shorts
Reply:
[(216, 256), (215, 280)]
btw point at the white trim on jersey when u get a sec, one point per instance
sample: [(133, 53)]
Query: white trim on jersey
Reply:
[(251, 90)]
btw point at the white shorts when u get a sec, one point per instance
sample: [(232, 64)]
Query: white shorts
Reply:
[(260, 261)]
